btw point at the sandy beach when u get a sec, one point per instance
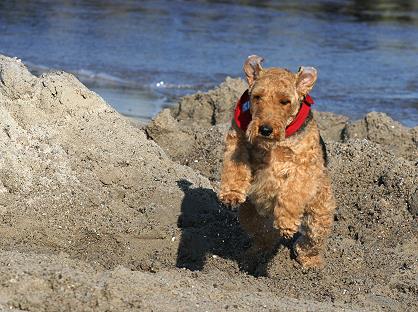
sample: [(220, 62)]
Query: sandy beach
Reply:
[(102, 213)]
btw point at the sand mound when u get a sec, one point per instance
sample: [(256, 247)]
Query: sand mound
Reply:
[(78, 178), (210, 108), (95, 216), (196, 146), (380, 128)]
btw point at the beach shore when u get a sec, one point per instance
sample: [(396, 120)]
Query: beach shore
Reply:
[(100, 213)]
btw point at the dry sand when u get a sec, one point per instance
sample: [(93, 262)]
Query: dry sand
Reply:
[(95, 216)]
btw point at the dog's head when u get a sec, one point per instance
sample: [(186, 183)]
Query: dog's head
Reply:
[(275, 96)]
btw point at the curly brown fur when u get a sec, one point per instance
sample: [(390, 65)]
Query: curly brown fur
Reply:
[(283, 181)]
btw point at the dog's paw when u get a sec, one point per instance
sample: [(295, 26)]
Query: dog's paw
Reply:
[(287, 233), (307, 255), (311, 261), (232, 198), (285, 230)]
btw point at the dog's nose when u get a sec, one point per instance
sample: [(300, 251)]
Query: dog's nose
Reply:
[(265, 130)]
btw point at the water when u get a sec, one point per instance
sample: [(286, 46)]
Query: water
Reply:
[(143, 55)]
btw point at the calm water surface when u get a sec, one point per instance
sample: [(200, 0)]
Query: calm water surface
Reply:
[(143, 55)]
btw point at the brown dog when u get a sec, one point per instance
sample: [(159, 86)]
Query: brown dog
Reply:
[(274, 162)]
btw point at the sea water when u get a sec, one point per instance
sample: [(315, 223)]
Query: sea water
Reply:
[(143, 55)]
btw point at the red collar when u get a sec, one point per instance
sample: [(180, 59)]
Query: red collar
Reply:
[(242, 114)]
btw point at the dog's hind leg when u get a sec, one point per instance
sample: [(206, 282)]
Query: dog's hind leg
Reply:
[(319, 216)]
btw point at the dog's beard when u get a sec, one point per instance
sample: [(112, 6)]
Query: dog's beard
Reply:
[(267, 143), (252, 131)]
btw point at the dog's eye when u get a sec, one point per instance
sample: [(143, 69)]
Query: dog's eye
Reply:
[(285, 101)]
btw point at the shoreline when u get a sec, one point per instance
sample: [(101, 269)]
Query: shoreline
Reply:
[(132, 99)]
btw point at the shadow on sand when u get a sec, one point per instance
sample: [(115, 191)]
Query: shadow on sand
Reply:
[(208, 228)]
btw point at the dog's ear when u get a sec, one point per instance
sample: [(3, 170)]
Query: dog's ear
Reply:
[(252, 68), (306, 78)]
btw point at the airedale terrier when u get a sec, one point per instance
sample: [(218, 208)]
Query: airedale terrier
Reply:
[(275, 162)]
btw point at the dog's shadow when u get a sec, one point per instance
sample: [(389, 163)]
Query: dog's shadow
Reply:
[(208, 228)]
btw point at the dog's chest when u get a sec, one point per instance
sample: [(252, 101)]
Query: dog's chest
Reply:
[(271, 173)]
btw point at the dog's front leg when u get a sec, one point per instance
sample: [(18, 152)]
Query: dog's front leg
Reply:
[(236, 172)]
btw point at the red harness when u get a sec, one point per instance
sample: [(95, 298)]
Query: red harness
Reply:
[(242, 114)]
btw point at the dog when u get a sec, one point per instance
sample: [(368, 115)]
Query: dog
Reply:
[(274, 163)]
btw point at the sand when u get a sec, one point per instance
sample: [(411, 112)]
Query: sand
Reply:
[(99, 213)]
